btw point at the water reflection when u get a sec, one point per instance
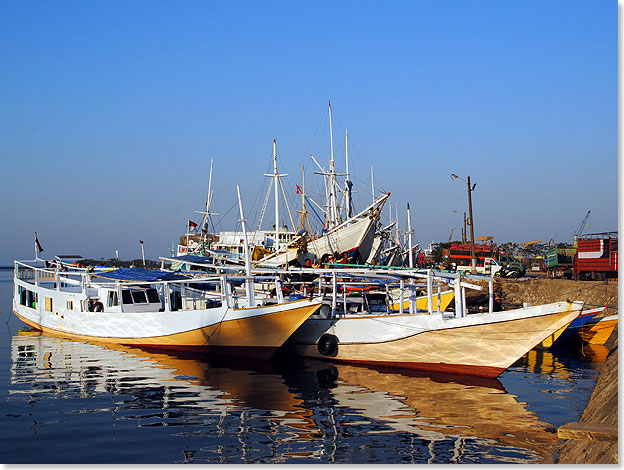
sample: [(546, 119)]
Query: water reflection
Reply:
[(555, 362), (293, 411)]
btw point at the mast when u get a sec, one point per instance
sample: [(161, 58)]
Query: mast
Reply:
[(207, 212), (333, 213), (249, 281), (208, 202), (372, 185), (409, 236), (209, 199), (348, 183), (304, 212), (276, 179), (411, 257)]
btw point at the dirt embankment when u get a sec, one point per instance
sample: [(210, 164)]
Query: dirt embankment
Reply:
[(543, 291)]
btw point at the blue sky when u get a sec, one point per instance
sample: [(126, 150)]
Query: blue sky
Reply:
[(111, 112)]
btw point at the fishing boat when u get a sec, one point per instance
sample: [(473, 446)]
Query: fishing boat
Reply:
[(156, 309), (473, 344), (354, 236), (151, 308)]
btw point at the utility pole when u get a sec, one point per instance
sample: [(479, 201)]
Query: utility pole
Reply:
[(472, 249), (470, 221)]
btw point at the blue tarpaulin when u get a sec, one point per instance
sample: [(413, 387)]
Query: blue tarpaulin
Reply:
[(141, 275), (194, 259)]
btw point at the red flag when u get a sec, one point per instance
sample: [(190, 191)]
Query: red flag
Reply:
[(37, 244), (299, 190), (141, 242), (192, 224)]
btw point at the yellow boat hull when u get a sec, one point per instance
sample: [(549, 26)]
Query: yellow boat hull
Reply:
[(422, 302), (598, 332)]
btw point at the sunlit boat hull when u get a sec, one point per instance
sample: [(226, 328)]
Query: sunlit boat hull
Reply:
[(481, 345), (242, 332)]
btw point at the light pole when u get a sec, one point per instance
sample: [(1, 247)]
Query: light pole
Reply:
[(470, 190)]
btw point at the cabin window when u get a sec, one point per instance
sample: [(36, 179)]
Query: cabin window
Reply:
[(27, 298), (48, 304), (32, 299), (70, 305), (113, 301), (152, 296), (23, 295), (126, 297), (139, 297)]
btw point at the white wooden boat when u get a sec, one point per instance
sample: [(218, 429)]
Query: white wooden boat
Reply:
[(356, 234), (154, 309), (474, 344)]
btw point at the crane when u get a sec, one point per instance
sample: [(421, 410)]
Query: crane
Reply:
[(451, 235), (581, 227)]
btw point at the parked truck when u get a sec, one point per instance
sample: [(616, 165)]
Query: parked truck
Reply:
[(560, 260), (512, 266), (490, 267), (596, 257), (459, 254)]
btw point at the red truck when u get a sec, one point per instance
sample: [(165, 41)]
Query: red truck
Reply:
[(460, 255), (597, 257)]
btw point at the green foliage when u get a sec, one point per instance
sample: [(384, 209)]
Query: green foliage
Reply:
[(437, 251), (509, 248), (534, 250)]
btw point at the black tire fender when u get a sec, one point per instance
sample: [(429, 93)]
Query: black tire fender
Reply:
[(327, 344), (98, 307)]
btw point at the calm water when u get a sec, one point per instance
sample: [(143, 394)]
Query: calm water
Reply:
[(71, 402)]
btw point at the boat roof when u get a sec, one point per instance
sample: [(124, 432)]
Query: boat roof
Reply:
[(192, 259), (68, 257), (141, 275)]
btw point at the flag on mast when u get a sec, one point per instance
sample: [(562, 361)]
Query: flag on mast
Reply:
[(38, 248)]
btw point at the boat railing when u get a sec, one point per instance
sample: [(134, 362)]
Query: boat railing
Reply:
[(269, 283), (406, 280)]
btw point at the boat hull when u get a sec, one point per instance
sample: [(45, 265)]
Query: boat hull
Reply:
[(598, 330), (255, 332), (480, 345)]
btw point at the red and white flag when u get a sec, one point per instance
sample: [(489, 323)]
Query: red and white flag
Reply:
[(37, 244), (192, 224)]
